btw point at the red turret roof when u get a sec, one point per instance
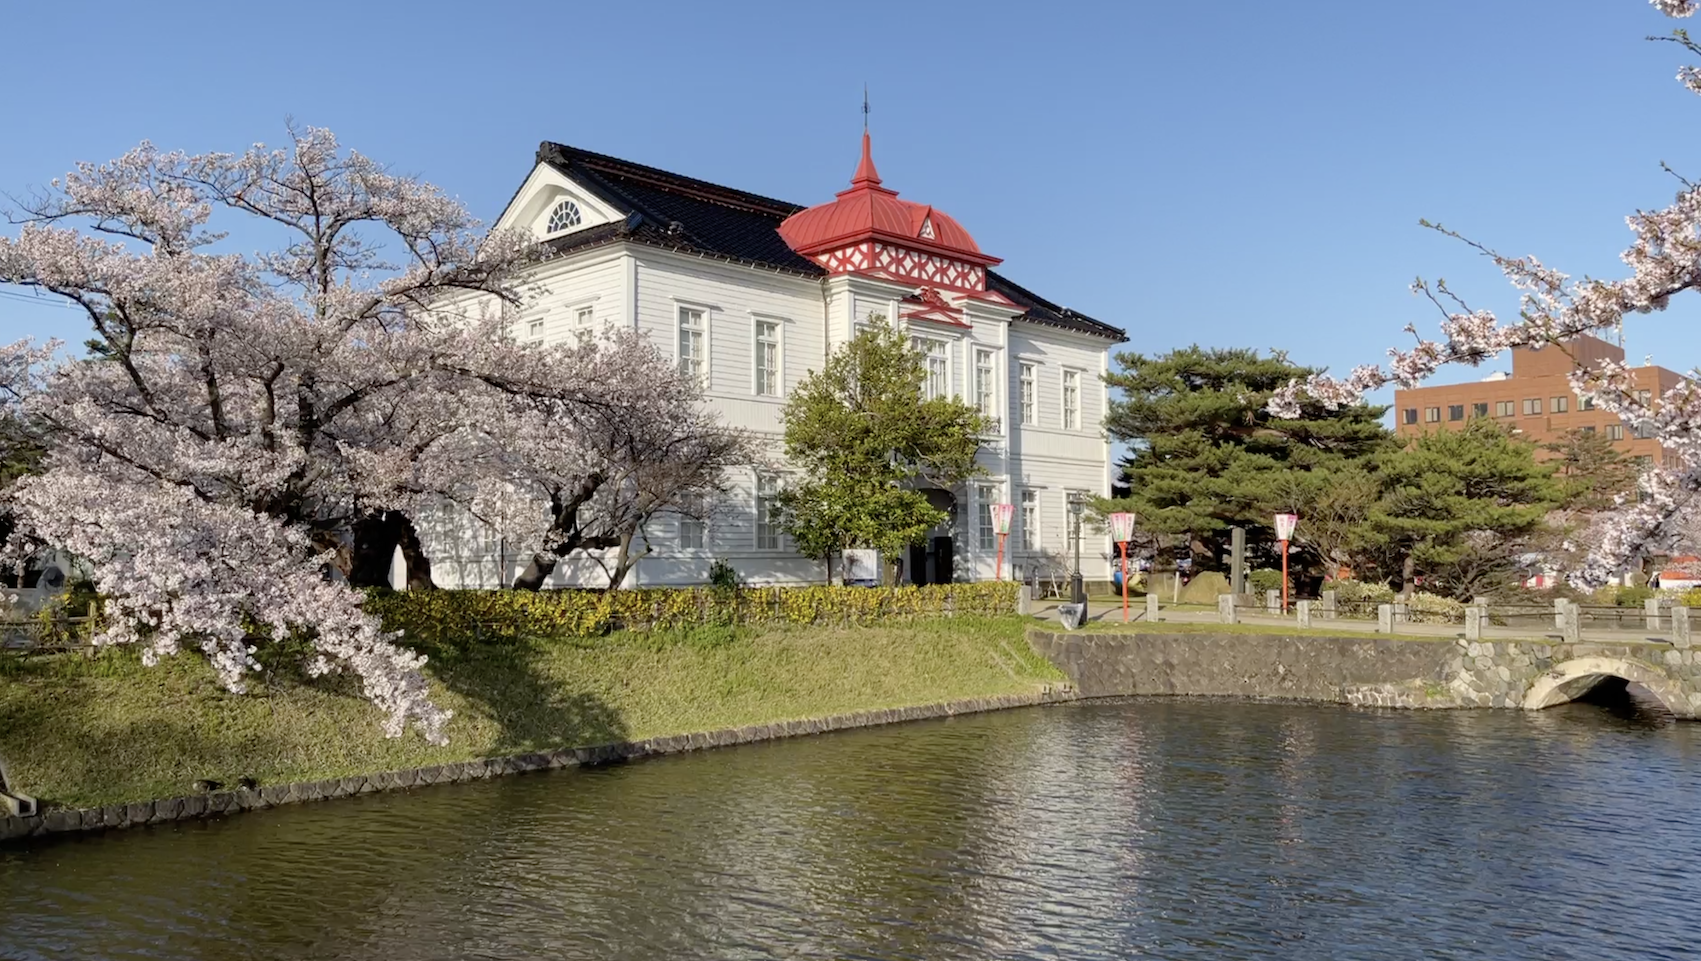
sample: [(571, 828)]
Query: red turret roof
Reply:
[(868, 211)]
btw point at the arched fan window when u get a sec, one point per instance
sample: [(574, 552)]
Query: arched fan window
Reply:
[(565, 215)]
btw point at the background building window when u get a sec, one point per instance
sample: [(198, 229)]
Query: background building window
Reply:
[(767, 358), (1561, 404), (691, 525), (1030, 520), (1615, 432), (987, 495), (1479, 410), (986, 388), (1455, 411), (691, 336), (767, 513), (1588, 430), (1503, 408), (1644, 430), (1030, 407), (1432, 415), (565, 215), (1585, 403), (1644, 397), (1071, 400), (1409, 415), (934, 355), (1532, 405), (534, 331)]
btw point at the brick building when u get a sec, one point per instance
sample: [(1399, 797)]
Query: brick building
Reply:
[(1536, 400)]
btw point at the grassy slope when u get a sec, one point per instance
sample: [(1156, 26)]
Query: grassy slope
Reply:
[(80, 731)]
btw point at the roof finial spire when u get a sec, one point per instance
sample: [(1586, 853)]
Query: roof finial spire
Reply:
[(865, 172)]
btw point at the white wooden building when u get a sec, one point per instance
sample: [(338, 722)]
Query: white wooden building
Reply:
[(753, 293)]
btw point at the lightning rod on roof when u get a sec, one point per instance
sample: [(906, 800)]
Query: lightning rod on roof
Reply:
[(865, 108)]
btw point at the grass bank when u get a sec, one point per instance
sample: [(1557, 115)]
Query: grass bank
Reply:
[(77, 730)]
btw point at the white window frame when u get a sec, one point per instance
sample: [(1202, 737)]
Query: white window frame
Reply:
[(986, 532), (1029, 519), (758, 321), (986, 383), (681, 311), (584, 325), (933, 348), (693, 531), (1071, 415), (549, 218), (1028, 378), (767, 488), (534, 331)]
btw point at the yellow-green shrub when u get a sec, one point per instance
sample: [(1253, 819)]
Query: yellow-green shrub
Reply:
[(588, 613)]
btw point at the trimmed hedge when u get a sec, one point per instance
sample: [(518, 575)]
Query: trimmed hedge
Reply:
[(573, 613)]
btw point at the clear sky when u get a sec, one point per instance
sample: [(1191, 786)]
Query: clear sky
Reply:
[(1232, 174)]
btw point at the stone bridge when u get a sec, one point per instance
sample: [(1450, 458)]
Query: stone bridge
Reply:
[(1380, 671)]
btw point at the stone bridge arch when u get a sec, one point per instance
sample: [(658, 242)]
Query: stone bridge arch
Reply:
[(1572, 679)]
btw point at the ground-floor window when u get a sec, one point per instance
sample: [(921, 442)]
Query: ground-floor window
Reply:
[(767, 513)]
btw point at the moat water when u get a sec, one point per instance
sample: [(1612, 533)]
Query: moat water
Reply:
[(1133, 829)]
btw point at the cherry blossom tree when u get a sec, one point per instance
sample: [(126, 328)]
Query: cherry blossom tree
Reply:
[(1664, 260), (243, 422)]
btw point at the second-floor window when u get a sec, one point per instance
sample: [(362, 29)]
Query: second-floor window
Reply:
[(534, 331), (692, 334), (1432, 415), (1503, 408), (1071, 400), (1615, 432), (1585, 403), (1455, 411), (986, 386), (1409, 415), (934, 355), (767, 358), (1559, 405), (584, 324), (1479, 410), (1532, 405), (1030, 404)]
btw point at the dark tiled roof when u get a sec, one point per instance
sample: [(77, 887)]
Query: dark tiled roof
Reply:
[(667, 210)]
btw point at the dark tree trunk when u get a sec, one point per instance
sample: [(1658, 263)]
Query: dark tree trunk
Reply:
[(536, 572), (376, 537)]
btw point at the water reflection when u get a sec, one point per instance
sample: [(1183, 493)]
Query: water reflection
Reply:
[(1163, 828)]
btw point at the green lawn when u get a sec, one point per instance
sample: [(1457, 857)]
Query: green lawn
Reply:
[(78, 730)]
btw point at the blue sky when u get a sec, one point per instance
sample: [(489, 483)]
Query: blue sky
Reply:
[(1236, 174)]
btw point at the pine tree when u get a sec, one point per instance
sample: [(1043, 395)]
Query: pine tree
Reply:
[(1206, 455), (1461, 507)]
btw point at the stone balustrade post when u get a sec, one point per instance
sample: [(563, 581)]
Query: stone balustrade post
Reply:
[(1272, 601), (1402, 612), (1024, 600), (1651, 610), (1679, 626), (1385, 618), (1302, 611), (1326, 609), (1571, 623), (1227, 613), (1560, 605), (1152, 605), (1473, 623)]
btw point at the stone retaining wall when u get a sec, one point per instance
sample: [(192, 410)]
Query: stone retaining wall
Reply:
[(137, 813), (1383, 672)]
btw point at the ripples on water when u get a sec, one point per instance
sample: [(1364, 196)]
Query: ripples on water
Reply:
[(1155, 828)]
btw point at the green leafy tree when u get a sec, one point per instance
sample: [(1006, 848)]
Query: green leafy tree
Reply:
[(1460, 507), (1205, 455), (867, 443)]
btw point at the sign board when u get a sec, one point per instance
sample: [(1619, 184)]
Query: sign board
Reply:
[(1183, 563), (1284, 526), (1121, 527), (1001, 514), (862, 567)]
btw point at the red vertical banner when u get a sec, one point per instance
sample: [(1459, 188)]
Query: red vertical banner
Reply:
[(1001, 514)]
